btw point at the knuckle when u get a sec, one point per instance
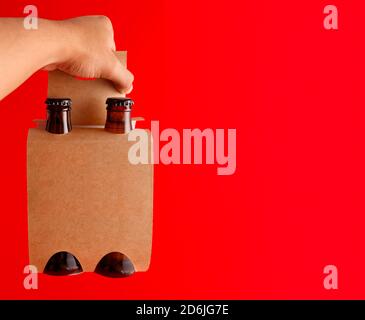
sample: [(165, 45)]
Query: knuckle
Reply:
[(106, 21)]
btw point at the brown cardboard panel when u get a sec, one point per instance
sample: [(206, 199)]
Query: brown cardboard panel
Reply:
[(85, 197), (88, 96)]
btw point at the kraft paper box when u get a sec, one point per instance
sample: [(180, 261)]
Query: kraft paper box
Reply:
[(84, 196)]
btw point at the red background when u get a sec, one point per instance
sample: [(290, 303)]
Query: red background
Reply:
[(295, 93)]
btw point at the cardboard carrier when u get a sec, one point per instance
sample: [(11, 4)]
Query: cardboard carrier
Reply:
[(84, 196)]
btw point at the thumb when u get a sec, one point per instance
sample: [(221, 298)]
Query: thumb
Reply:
[(118, 74)]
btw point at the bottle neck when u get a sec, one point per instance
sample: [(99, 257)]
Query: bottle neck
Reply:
[(118, 119), (58, 119)]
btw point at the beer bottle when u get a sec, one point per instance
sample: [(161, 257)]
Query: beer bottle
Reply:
[(62, 264), (115, 265), (58, 115), (118, 118)]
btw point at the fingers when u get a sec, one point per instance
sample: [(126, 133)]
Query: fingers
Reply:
[(118, 74), (129, 90), (50, 67)]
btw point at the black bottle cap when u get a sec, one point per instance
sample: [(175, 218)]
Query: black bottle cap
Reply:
[(59, 102), (127, 103)]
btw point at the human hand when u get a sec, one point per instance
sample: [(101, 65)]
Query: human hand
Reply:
[(87, 49)]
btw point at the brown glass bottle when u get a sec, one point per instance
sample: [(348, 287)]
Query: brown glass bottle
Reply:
[(62, 264), (118, 118), (58, 115), (115, 265)]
